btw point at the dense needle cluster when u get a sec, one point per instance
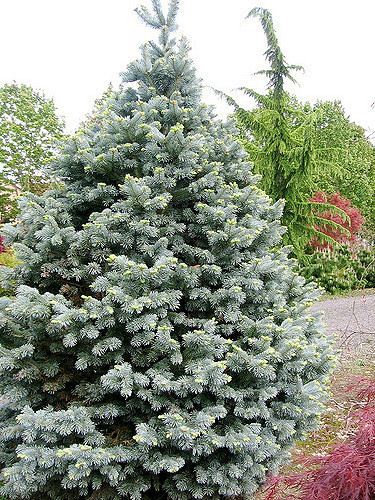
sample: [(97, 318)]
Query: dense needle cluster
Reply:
[(159, 344)]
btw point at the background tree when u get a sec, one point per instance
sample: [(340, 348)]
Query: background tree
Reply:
[(8, 200), (280, 139), (159, 345), (102, 102), (346, 145), (29, 127)]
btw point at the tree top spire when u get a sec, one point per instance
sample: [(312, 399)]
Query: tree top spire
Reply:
[(158, 20), (164, 67), (280, 69)]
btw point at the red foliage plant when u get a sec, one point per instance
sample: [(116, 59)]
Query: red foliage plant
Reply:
[(365, 388), (3, 248), (353, 225), (346, 472)]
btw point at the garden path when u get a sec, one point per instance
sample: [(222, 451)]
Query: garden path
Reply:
[(353, 318)]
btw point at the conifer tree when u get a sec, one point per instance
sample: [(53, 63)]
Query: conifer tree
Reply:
[(159, 345), (280, 140)]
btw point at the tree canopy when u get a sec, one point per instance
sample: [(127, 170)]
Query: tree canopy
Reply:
[(346, 146), (29, 128)]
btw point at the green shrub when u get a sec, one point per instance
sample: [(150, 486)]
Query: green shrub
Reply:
[(342, 269), (8, 259), (366, 257)]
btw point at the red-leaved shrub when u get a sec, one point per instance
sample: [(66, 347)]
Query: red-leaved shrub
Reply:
[(365, 388), (2, 246), (346, 472), (353, 225)]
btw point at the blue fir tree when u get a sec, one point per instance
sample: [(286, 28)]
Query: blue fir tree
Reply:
[(159, 345)]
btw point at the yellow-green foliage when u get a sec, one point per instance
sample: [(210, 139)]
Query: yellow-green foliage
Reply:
[(8, 259)]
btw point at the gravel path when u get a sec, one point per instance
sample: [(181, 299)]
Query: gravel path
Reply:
[(353, 318)]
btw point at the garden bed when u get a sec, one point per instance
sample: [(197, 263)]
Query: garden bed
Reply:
[(338, 422)]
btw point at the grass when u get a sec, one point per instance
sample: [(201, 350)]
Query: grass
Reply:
[(336, 421)]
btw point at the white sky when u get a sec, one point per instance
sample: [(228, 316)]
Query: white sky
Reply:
[(72, 49)]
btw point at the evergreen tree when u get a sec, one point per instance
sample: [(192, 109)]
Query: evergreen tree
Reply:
[(280, 139), (158, 345)]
